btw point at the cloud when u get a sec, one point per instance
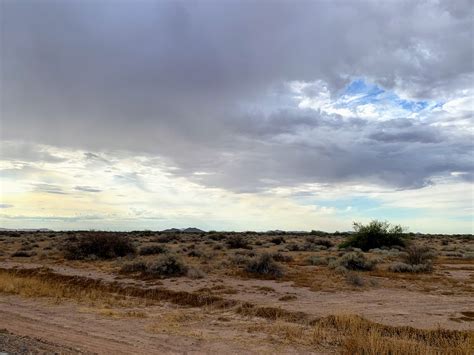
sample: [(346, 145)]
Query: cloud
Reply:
[(5, 205), (278, 94), (87, 189), (49, 188)]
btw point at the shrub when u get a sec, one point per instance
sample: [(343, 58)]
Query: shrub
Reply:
[(239, 259), (194, 273), (403, 267), (282, 257), (136, 266), (98, 245), (293, 247), (415, 259), (318, 241), (196, 254), (355, 280), (375, 235), (167, 238), (264, 265), (152, 250), (166, 266), (237, 241), (317, 260), (354, 261), (23, 253), (417, 255), (278, 240)]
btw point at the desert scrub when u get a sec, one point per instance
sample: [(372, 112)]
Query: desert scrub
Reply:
[(237, 242), (353, 261), (134, 266), (152, 250), (264, 265), (98, 246), (354, 279), (404, 267), (167, 266), (23, 253), (376, 234), (317, 260), (194, 273), (278, 240), (415, 259), (416, 255), (282, 257), (320, 241)]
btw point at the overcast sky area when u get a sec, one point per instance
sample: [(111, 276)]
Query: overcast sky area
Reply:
[(237, 115)]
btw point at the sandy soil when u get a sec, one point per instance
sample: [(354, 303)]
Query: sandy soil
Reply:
[(68, 329), (388, 306)]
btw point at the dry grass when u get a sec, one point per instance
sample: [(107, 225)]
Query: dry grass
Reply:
[(356, 335), (351, 334), (34, 287)]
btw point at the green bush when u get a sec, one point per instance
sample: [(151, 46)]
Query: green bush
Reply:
[(376, 234)]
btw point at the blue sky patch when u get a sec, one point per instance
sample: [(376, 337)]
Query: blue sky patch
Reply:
[(386, 103)]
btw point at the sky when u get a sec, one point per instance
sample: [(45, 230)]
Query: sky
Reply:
[(236, 115)]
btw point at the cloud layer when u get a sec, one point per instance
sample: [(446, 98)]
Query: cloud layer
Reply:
[(243, 96)]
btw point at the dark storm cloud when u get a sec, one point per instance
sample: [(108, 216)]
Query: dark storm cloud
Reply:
[(172, 78)]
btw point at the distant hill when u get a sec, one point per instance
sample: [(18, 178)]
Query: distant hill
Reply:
[(192, 230), (183, 230)]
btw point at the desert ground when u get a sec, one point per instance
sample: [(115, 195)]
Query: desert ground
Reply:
[(87, 292)]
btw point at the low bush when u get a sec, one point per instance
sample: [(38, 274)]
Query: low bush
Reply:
[(376, 234), (417, 255), (353, 261), (293, 247), (354, 279), (403, 267), (317, 260), (167, 238), (194, 273), (98, 246), (23, 254), (195, 254), (282, 257), (320, 241), (264, 265), (237, 242), (415, 259), (278, 240), (136, 266), (167, 266), (152, 250)]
